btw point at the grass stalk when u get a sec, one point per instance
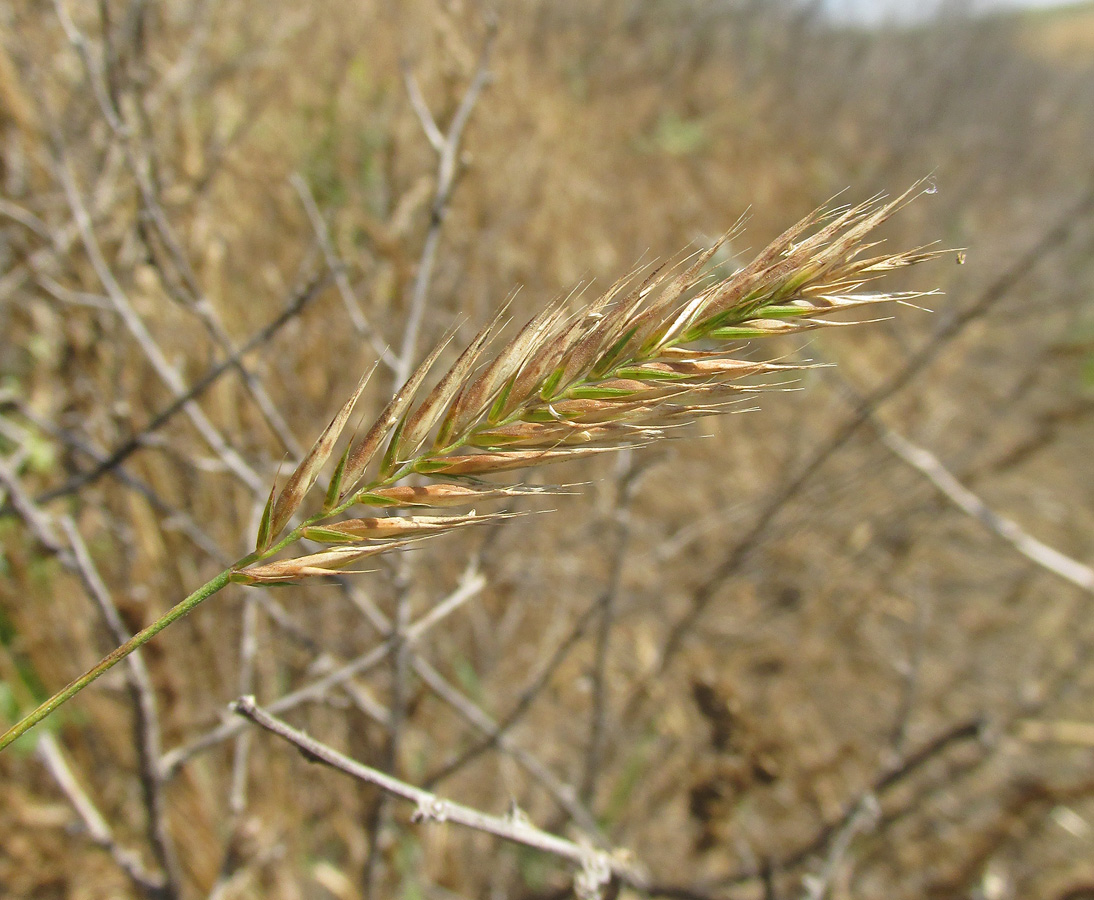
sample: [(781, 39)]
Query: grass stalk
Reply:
[(116, 656)]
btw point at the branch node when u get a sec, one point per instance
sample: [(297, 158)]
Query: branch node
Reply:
[(517, 816), (431, 809), (596, 871)]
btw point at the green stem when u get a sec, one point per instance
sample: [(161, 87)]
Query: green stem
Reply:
[(116, 656), (211, 587)]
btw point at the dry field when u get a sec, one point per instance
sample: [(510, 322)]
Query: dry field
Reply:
[(839, 646)]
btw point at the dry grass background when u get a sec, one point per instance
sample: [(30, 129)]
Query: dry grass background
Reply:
[(870, 627)]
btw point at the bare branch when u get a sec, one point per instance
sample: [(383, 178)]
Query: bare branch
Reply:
[(338, 271), (173, 519), (167, 373), (864, 818), (146, 721), (1036, 551), (446, 176), (563, 794), (524, 702), (248, 649), (36, 520), (141, 167), (110, 461), (1007, 281), (52, 757), (317, 690), (629, 470), (431, 808), (421, 110), (76, 557)]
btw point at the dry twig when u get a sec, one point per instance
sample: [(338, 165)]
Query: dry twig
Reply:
[(49, 752), (1038, 552), (595, 867)]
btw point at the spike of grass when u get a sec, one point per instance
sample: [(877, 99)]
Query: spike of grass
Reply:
[(642, 357)]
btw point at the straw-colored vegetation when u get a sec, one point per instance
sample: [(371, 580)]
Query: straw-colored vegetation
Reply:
[(836, 647)]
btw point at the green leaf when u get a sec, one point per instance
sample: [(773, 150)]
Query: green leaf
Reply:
[(335, 488), (778, 311), (264, 526), (328, 535), (547, 392), (429, 466), (541, 415), (610, 357), (491, 440), (640, 374), (498, 406), (739, 333), (391, 461), (594, 392), (367, 499)]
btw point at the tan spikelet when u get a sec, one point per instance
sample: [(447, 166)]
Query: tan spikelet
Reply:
[(303, 478), (314, 565), (383, 527), (442, 495), (363, 453)]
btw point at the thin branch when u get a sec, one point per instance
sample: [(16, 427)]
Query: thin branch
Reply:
[(629, 471), (889, 777), (167, 373), (36, 520), (430, 808), (49, 752), (421, 110), (925, 462), (524, 702), (338, 271), (110, 461), (25, 218), (146, 716), (92, 65), (1013, 276), (317, 690), (563, 794), (146, 724), (447, 146), (140, 166), (1036, 551), (174, 519), (912, 670), (248, 649), (399, 658), (73, 298), (446, 176), (863, 819)]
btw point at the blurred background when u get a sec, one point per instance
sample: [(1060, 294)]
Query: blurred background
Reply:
[(773, 660)]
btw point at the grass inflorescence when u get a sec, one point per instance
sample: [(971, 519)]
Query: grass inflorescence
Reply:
[(657, 350)]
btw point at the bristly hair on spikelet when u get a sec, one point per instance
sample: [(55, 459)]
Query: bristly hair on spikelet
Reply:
[(647, 355)]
